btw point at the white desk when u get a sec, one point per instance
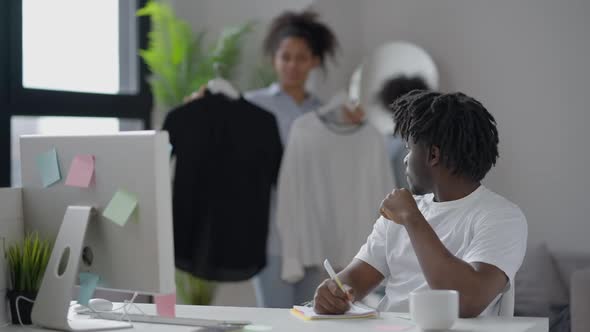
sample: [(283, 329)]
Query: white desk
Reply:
[(281, 320)]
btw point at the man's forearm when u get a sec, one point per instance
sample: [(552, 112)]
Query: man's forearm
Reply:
[(442, 269), (362, 277)]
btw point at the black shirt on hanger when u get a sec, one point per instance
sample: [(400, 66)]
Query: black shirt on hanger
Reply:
[(228, 154)]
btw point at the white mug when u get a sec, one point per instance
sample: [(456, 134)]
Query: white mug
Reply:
[(434, 310)]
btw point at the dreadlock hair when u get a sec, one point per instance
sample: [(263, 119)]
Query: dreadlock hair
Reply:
[(320, 39), (398, 86), (463, 130)]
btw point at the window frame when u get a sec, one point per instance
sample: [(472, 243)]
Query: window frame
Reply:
[(25, 101), (4, 95)]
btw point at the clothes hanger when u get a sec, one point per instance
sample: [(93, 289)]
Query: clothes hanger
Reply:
[(220, 85), (336, 103), (331, 114)]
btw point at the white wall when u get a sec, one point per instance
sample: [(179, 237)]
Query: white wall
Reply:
[(342, 16), (527, 61)]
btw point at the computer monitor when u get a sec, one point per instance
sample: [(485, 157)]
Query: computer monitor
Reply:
[(138, 256)]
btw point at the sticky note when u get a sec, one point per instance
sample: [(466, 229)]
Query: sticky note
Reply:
[(166, 304), (88, 283), (48, 167), (120, 207), (81, 172)]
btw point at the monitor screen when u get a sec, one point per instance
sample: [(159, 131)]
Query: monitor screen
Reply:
[(129, 254)]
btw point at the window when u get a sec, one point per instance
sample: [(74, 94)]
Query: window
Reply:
[(79, 45), (78, 58)]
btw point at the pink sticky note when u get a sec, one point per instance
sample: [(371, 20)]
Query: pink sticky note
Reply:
[(81, 172), (166, 305)]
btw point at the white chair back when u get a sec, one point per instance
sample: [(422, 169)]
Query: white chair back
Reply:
[(507, 303)]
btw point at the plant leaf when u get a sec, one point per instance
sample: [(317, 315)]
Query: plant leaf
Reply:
[(27, 262), (177, 59)]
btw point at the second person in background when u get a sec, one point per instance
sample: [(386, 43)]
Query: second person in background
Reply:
[(296, 43)]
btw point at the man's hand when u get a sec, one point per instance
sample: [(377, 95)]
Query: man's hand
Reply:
[(399, 206), (330, 299)]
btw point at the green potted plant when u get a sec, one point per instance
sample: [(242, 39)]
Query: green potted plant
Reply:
[(26, 266), (179, 61)]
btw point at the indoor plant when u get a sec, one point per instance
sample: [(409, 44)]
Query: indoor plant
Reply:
[(179, 61), (26, 267)]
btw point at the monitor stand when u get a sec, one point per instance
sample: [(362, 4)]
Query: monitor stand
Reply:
[(52, 305)]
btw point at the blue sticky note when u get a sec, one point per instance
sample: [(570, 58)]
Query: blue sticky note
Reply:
[(48, 167), (88, 283)]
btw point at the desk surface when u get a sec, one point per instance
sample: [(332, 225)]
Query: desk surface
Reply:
[(282, 320)]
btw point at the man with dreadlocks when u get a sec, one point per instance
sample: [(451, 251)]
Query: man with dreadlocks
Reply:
[(452, 233)]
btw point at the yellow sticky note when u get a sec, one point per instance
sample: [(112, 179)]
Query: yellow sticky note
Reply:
[(120, 207)]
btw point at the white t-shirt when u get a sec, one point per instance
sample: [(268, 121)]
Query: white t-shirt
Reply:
[(481, 227), (330, 188)]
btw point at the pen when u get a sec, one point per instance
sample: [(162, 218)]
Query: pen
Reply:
[(333, 275)]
